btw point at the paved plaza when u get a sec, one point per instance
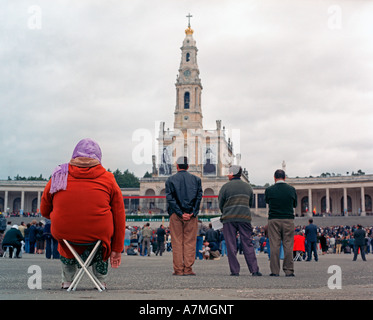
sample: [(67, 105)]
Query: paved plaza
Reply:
[(150, 278)]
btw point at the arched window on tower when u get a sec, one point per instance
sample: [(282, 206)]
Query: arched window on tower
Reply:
[(187, 57), (186, 100)]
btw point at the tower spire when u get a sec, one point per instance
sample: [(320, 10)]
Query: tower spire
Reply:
[(188, 113), (189, 30), (189, 16)]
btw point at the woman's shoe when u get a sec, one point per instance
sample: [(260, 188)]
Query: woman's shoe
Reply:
[(65, 285)]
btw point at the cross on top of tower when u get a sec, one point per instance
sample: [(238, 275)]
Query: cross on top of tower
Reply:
[(189, 16)]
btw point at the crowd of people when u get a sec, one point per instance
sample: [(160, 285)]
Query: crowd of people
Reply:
[(86, 208), (36, 238), (211, 245)]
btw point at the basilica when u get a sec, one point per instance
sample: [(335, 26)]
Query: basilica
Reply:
[(210, 153)]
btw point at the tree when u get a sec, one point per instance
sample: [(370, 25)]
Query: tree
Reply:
[(126, 179), (31, 178), (147, 175), (358, 173)]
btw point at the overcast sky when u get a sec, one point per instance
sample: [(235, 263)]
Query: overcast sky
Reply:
[(294, 77)]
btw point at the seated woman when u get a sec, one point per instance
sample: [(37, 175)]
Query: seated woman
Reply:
[(85, 204)]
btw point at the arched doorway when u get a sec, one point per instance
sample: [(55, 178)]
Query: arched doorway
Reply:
[(349, 205), (149, 203), (368, 203), (209, 203), (304, 205), (162, 203), (34, 205), (17, 205), (323, 205)]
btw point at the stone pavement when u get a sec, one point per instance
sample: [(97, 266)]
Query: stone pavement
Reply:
[(150, 278)]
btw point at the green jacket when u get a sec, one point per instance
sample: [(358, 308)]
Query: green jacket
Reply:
[(13, 237), (282, 199), (235, 199)]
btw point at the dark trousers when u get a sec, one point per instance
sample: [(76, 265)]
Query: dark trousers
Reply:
[(245, 229), (51, 250), (32, 246), (356, 252), (160, 248), (199, 246), (15, 246), (312, 247)]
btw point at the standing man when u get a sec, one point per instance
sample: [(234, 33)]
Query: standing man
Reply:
[(311, 240), (184, 195), (359, 243), (235, 198), (147, 233), (282, 199), (161, 238), (212, 235)]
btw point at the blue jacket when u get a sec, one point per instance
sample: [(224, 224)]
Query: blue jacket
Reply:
[(311, 233), (32, 233)]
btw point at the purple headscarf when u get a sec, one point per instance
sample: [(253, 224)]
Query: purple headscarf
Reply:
[(86, 148)]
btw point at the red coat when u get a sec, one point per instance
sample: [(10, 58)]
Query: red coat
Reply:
[(90, 208), (299, 243)]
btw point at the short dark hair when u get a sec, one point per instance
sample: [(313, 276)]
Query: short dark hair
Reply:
[(235, 170), (182, 163), (280, 174), (310, 221)]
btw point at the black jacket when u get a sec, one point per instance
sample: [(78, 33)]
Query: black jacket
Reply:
[(212, 235), (359, 236), (183, 193)]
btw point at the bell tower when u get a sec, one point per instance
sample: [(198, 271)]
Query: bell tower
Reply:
[(188, 112)]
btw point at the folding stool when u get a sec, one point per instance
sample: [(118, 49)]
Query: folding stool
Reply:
[(8, 251), (297, 256), (84, 265)]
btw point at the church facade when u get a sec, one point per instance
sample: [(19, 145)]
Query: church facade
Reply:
[(210, 152)]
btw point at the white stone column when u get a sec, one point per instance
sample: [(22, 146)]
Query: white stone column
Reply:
[(310, 207), (22, 201), (39, 200), (6, 201), (256, 201), (363, 213), (327, 201), (345, 208)]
